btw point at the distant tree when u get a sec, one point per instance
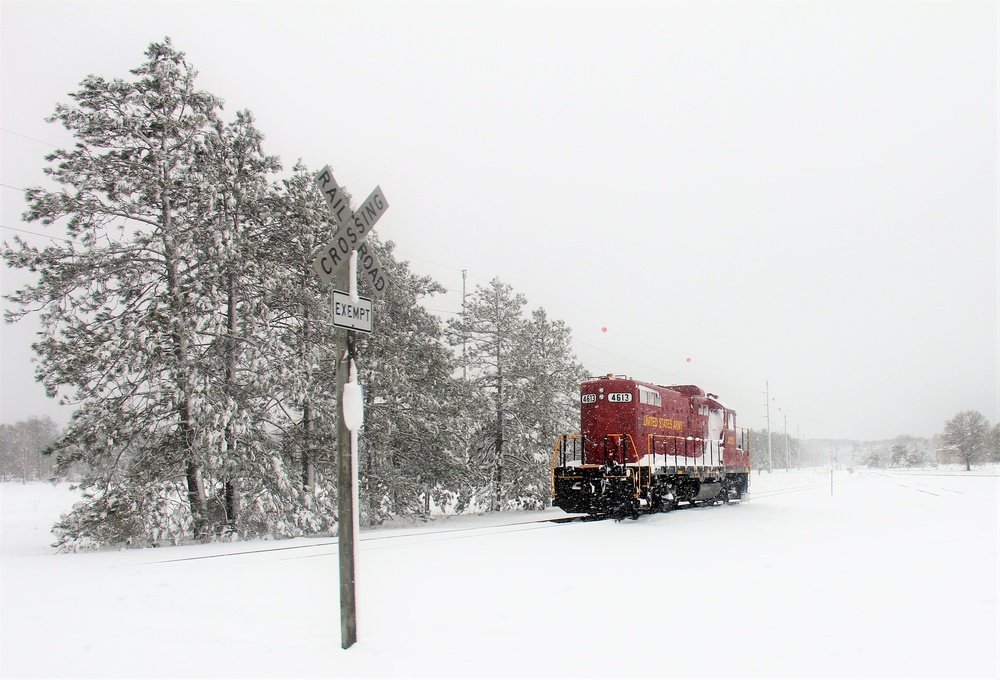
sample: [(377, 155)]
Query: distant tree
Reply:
[(898, 454), (908, 452), (22, 445), (758, 440), (872, 455), (873, 459), (967, 435), (994, 444)]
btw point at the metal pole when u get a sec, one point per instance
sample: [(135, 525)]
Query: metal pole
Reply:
[(345, 502), (787, 455), (832, 452), (465, 362), (767, 392)]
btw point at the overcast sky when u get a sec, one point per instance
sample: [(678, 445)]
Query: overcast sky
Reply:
[(799, 194)]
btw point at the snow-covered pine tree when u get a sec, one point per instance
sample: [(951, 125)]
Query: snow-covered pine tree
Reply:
[(493, 329), (411, 448), (548, 403), (236, 273), (300, 345), (131, 304)]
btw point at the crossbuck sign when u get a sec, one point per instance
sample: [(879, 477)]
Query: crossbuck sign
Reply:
[(351, 313), (352, 231)]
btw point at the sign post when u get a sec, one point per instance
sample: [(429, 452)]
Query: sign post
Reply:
[(346, 538), (350, 313)]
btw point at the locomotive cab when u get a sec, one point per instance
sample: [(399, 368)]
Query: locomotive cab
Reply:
[(607, 417)]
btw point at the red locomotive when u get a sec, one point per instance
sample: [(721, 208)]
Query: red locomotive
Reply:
[(645, 447)]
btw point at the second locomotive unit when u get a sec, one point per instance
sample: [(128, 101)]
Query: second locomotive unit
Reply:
[(644, 447)]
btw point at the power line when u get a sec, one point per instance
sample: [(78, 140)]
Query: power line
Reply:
[(35, 233), (577, 341), (18, 134), (422, 259)]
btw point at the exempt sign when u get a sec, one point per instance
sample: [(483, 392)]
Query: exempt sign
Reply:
[(354, 315)]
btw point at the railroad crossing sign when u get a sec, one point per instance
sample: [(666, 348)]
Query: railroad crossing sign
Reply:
[(350, 313), (356, 316), (352, 230)]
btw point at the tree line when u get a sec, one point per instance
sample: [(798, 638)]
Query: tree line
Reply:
[(21, 447), (967, 439), (183, 322)]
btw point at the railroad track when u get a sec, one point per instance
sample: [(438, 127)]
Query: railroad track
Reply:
[(913, 485), (374, 537)]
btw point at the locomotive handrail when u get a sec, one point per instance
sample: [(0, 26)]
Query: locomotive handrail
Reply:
[(558, 448), (625, 453), (714, 448), (637, 480), (676, 438)]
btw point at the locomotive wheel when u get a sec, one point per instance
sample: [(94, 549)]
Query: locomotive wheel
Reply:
[(654, 500), (630, 508)]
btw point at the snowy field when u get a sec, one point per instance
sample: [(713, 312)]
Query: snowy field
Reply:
[(892, 575)]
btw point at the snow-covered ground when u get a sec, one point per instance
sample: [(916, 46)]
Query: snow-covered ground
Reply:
[(891, 575)]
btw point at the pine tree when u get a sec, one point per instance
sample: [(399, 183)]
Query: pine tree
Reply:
[(122, 304), (411, 446), (525, 370), (548, 403), (157, 313), (236, 275), (301, 341), (492, 328), (899, 454)]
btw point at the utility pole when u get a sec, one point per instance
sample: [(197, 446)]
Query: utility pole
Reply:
[(802, 448), (787, 454), (833, 455), (465, 362), (767, 393)]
